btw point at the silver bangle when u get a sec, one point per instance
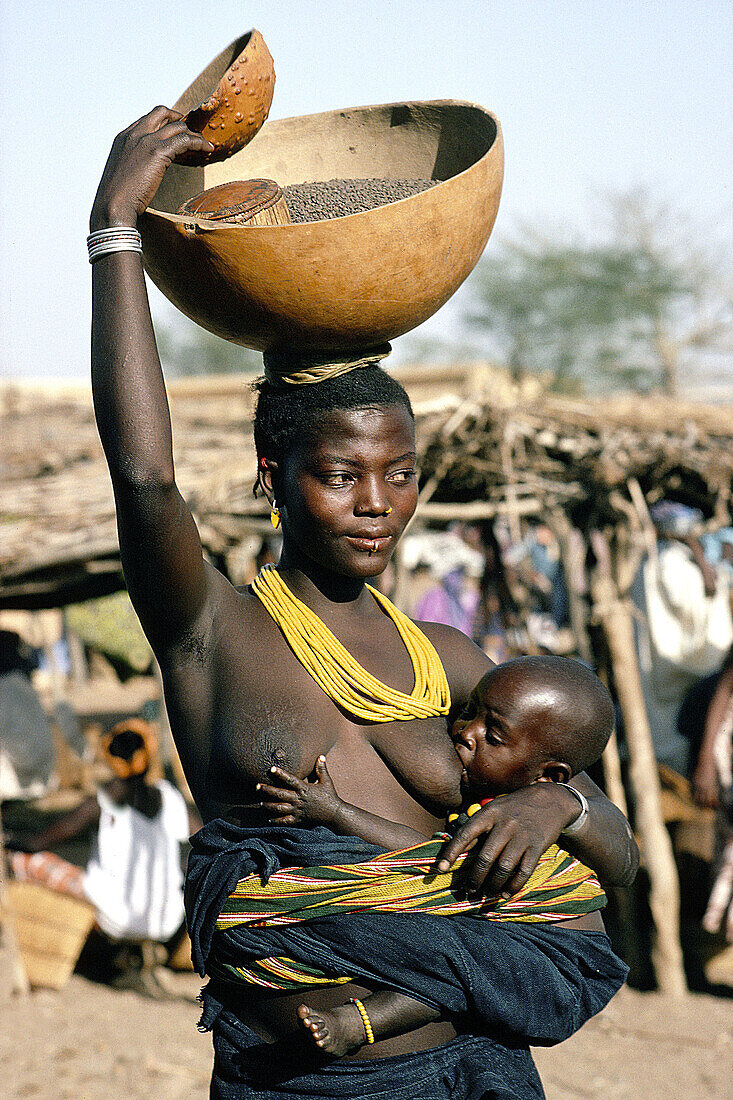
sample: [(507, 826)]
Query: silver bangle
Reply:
[(118, 238), (576, 825)]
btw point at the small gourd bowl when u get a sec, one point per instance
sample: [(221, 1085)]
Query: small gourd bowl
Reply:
[(347, 282), (231, 98)]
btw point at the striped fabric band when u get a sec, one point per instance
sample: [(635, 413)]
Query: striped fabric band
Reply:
[(561, 888)]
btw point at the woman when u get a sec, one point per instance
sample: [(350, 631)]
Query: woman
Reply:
[(337, 462)]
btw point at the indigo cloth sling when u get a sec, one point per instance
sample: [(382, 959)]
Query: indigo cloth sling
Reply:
[(527, 982), (469, 1067), (402, 882)]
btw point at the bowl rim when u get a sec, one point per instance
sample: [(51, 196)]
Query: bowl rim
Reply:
[(211, 225)]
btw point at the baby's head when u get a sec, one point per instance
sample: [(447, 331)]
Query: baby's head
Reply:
[(533, 718)]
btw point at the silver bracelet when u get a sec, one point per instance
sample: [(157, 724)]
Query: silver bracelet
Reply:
[(118, 238), (576, 825)]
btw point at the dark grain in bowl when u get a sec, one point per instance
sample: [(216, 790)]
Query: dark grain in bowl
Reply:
[(337, 198)]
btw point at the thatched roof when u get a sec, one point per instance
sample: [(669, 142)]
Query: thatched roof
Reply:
[(532, 456), (58, 540), (484, 447)]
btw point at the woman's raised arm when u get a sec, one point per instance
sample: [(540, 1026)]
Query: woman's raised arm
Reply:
[(159, 543)]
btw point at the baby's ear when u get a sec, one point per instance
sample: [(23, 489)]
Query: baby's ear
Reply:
[(556, 771)]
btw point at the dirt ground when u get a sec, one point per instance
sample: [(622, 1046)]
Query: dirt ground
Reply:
[(91, 1042)]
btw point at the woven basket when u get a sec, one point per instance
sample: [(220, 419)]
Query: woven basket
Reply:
[(247, 202), (51, 930)]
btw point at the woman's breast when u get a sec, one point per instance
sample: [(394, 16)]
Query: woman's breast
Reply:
[(246, 742), (404, 771)]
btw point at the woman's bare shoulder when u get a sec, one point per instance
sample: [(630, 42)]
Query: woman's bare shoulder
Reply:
[(464, 662), (227, 611)]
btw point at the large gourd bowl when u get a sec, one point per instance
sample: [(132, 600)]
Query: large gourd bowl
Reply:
[(348, 282)]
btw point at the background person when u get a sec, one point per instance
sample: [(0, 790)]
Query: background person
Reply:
[(712, 786), (684, 628), (133, 877), (27, 754)]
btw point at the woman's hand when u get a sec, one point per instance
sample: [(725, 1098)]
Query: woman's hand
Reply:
[(297, 800), (507, 838), (137, 163)]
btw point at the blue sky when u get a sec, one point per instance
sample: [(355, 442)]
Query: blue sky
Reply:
[(593, 98)]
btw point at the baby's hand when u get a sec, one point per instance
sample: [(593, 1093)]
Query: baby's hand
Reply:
[(297, 800)]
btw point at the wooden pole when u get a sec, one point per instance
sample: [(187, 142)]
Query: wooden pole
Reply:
[(515, 527), (612, 775), (615, 614), (19, 983)]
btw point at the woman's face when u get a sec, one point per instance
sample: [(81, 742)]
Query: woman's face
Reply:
[(347, 493)]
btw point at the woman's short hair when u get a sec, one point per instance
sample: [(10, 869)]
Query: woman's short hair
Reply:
[(285, 415)]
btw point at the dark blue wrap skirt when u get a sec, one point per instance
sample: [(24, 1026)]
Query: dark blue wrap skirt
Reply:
[(505, 984)]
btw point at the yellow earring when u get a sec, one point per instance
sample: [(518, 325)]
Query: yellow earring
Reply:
[(387, 511), (275, 515)]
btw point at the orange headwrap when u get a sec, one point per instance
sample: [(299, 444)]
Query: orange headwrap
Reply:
[(141, 758)]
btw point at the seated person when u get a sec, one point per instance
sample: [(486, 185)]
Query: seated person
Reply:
[(504, 742), (134, 876)]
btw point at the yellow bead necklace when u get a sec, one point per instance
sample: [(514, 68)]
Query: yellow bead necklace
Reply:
[(339, 675)]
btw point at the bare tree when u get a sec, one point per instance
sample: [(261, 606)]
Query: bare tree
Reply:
[(690, 311), (643, 310)]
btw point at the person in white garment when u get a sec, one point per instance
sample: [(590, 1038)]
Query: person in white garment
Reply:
[(134, 876)]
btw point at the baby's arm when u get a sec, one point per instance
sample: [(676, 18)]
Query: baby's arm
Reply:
[(317, 803), (341, 1030)]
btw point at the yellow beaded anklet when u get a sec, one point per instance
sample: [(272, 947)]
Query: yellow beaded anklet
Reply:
[(365, 1019)]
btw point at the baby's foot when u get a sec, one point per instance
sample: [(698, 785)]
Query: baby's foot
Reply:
[(337, 1032)]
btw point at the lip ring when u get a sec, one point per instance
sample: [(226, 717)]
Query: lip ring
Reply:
[(371, 544)]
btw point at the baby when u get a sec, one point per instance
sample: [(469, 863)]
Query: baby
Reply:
[(530, 720)]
